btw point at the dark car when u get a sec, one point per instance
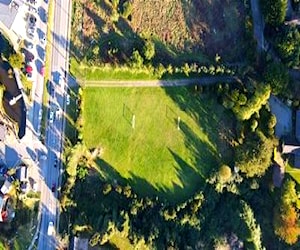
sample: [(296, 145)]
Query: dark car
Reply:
[(53, 188), (55, 161)]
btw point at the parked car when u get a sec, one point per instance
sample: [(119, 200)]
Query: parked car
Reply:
[(51, 116), (43, 40), (55, 161), (42, 70), (28, 44), (32, 9), (40, 114), (68, 99), (28, 68), (50, 230), (29, 75), (53, 188)]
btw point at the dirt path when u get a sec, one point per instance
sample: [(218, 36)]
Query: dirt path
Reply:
[(162, 83)]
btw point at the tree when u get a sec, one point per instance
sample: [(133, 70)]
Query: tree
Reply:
[(253, 157), (149, 50), (137, 59), (287, 44), (16, 60), (254, 104), (274, 11), (254, 230), (127, 9), (277, 76), (286, 216), (224, 173)]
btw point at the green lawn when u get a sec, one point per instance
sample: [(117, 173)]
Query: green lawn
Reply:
[(155, 157)]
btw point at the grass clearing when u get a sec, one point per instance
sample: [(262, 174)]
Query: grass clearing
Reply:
[(156, 157)]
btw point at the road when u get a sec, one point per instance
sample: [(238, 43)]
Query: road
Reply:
[(55, 123)]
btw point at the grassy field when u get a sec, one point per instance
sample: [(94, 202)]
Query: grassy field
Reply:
[(156, 157)]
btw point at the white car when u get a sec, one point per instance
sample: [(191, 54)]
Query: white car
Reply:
[(51, 116), (68, 99), (50, 228)]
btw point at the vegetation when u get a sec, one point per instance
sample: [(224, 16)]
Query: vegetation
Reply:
[(287, 214), (181, 167), (274, 11), (180, 158)]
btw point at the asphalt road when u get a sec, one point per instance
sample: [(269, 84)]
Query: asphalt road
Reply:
[(55, 124)]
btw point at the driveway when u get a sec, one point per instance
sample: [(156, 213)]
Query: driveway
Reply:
[(283, 115)]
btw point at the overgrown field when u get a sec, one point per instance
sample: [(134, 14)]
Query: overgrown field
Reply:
[(161, 140), (183, 31)]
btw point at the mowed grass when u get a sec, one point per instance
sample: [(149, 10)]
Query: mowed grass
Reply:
[(156, 157)]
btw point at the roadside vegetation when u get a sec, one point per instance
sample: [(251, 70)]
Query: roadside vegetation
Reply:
[(180, 167)]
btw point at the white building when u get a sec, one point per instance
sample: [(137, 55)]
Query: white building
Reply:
[(13, 20)]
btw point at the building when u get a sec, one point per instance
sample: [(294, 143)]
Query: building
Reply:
[(12, 20), (6, 187)]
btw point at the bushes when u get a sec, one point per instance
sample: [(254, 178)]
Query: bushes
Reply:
[(253, 157), (274, 11), (277, 76)]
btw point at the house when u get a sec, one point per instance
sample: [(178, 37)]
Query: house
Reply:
[(12, 20), (6, 187)]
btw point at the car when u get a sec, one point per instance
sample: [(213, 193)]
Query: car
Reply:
[(28, 68), (51, 116), (28, 44), (55, 161), (42, 70), (43, 40), (53, 188), (30, 35), (50, 230), (29, 75), (32, 9), (68, 99), (40, 114), (29, 57)]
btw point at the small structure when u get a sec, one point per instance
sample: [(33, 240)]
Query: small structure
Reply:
[(6, 187)]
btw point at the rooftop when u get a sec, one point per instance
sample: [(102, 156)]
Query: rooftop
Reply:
[(8, 11)]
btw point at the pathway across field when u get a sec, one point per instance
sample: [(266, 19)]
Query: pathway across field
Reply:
[(162, 83)]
